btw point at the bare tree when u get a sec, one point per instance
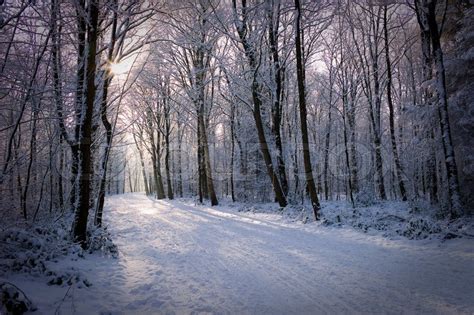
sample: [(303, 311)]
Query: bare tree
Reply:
[(85, 129), (303, 123), (427, 13), (391, 115), (243, 29)]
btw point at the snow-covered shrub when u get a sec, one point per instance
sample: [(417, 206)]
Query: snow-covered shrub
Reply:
[(28, 251), (393, 219), (421, 206), (36, 250), (332, 215), (420, 228), (331, 221), (461, 227), (364, 198), (101, 241), (68, 279), (387, 222), (13, 300)]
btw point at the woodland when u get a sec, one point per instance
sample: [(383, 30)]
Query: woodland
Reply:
[(292, 104)]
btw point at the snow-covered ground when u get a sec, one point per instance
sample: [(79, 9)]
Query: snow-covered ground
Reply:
[(175, 257)]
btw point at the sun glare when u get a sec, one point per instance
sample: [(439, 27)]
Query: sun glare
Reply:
[(120, 68)]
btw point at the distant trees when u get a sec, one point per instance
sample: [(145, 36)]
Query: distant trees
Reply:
[(64, 96)]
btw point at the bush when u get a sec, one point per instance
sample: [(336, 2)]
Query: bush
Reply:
[(420, 228), (13, 300), (365, 198)]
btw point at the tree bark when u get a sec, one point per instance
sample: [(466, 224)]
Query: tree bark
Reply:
[(107, 125), (302, 106), (427, 65), (167, 134), (277, 93), (82, 211), (142, 164), (456, 209), (155, 156), (391, 114), (178, 153), (376, 104), (80, 93), (346, 147), (232, 150)]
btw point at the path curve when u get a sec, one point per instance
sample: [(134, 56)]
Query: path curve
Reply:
[(183, 259)]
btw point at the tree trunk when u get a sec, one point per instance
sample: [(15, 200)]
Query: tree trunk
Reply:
[(107, 125), (204, 160), (346, 148), (376, 106), (80, 74), (302, 106), (82, 211), (142, 164), (327, 140), (158, 184), (167, 155), (31, 159), (160, 191), (180, 167), (202, 180), (207, 160), (427, 65), (351, 119), (375, 118), (60, 177), (277, 93), (56, 69), (398, 165), (232, 151), (456, 209)]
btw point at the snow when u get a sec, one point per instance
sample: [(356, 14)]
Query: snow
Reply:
[(179, 258)]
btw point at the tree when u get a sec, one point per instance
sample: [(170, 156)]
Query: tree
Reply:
[(303, 123), (398, 166), (85, 130), (426, 11), (277, 69), (195, 41), (241, 24)]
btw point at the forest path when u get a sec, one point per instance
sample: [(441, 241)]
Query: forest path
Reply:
[(179, 258)]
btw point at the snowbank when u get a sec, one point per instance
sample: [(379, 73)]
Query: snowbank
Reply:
[(40, 251), (411, 220)]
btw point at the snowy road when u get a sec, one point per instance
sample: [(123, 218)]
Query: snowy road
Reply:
[(177, 258)]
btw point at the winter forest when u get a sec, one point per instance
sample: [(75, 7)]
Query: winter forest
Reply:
[(236, 156)]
